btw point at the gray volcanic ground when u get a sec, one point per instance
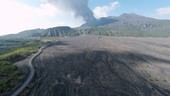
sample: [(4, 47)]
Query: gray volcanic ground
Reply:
[(104, 66)]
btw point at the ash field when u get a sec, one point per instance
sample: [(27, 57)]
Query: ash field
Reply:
[(103, 66)]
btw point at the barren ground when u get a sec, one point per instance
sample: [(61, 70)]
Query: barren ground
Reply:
[(104, 66)]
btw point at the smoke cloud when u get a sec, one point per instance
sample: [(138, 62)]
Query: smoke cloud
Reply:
[(79, 7)]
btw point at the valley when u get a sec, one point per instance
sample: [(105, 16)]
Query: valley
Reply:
[(84, 48)]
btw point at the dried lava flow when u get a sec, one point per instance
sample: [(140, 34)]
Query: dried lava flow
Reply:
[(106, 66)]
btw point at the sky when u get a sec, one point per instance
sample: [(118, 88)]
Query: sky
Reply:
[(20, 15)]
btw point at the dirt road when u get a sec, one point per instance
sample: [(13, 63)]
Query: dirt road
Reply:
[(31, 71)]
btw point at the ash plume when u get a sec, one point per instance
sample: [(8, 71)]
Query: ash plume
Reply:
[(79, 7)]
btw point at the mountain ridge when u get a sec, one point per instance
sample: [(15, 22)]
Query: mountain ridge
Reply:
[(127, 24)]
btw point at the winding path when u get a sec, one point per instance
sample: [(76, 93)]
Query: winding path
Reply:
[(32, 71)]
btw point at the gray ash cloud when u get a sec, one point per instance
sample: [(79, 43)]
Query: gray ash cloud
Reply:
[(79, 7)]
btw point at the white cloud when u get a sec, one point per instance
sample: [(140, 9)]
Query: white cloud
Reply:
[(163, 11), (16, 16), (102, 11)]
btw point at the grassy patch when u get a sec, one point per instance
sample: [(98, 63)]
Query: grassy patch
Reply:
[(7, 46), (10, 76), (13, 51), (14, 55)]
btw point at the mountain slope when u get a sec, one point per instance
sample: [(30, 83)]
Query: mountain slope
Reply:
[(59, 31), (127, 24), (25, 34), (50, 32), (130, 25)]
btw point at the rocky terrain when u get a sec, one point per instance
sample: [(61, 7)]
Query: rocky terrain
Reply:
[(104, 66)]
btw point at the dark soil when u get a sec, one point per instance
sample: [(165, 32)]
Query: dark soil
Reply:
[(105, 66)]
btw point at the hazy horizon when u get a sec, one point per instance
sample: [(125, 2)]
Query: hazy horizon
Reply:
[(20, 15)]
